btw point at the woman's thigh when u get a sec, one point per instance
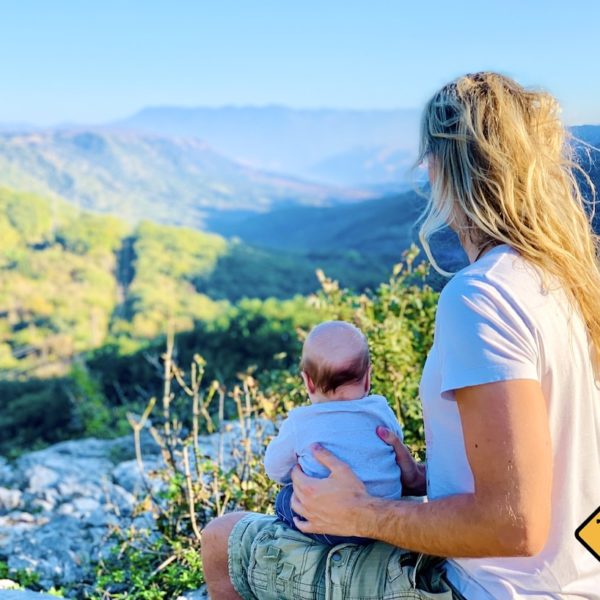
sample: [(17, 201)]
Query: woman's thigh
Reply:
[(270, 561)]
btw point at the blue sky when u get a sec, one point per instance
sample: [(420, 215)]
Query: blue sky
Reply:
[(93, 61)]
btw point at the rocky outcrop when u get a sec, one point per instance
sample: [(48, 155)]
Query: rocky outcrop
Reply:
[(58, 505)]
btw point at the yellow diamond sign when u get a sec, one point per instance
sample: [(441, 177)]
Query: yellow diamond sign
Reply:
[(588, 533)]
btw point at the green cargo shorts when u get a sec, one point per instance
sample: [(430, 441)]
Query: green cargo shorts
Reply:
[(270, 561)]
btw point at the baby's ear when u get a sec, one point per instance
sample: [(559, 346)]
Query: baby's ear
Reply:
[(368, 380), (308, 382)]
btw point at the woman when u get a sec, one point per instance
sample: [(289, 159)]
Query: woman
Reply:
[(510, 389)]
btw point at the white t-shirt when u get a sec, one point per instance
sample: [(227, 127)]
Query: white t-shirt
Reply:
[(495, 322)]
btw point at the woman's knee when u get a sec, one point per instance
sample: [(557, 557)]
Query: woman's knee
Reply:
[(215, 537), (216, 534)]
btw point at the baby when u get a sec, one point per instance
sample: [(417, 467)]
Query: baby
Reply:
[(342, 417)]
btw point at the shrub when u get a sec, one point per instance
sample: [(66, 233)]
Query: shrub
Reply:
[(197, 486)]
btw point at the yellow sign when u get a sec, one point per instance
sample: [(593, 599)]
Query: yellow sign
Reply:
[(588, 533)]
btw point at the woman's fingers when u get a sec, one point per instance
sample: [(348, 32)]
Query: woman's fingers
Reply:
[(328, 459), (296, 505), (412, 473), (301, 481), (302, 523), (304, 526), (328, 504), (403, 455)]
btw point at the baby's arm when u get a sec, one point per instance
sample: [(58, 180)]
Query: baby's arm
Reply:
[(280, 456)]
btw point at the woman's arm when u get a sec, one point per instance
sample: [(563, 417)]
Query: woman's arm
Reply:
[(508, 446)]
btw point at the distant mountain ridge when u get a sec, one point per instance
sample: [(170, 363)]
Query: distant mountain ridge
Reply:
[(183, 180), (369, 166), (588, 133), (140, 175), (385, 226), (302, 142)]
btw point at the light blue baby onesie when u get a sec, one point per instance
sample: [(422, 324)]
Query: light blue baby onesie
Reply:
[(347, 429)]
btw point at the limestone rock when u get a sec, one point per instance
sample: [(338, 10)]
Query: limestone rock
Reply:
[(59, 505), (201, 594), (9, 499), (128, 475), (6, 472), (8, 584)]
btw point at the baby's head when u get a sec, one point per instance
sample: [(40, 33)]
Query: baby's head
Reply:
[(335, 362)]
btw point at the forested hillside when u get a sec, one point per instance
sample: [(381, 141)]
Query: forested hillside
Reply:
[(86, 301), (72, 280), (384, 227)]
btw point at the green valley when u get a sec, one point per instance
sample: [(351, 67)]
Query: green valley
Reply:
[(87, 300), (72, 279)]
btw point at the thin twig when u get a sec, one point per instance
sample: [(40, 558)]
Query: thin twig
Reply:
[(221, 417), (196, 418), (137, 427), (163, 565), (190, 494)]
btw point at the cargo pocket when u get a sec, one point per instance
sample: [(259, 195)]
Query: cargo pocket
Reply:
[(398, 585), (412, 576), (301, 577), (396, 568), (284, 564), (427, 578), (262, 568)]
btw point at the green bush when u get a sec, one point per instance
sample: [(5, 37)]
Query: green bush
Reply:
[(34, 413), (398, 319)]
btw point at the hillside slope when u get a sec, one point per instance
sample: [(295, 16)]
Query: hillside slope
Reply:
[(135, 176), (383, 228), (70, 280)]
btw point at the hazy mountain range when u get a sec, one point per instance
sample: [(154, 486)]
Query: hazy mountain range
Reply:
[(140, 175), (342, 147), (382, 227), (145, 167)]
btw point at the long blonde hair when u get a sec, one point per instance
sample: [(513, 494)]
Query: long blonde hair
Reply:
[(505, 173)]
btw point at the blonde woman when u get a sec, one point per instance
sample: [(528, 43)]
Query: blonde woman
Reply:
[(510, 391)]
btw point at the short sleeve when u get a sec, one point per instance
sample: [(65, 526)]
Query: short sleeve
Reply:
[(482, 336)]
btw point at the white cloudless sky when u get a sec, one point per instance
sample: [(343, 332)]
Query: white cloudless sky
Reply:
[(94, 61)]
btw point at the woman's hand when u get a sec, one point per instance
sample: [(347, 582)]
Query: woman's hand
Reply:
[(412, 474), (331, 505)]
